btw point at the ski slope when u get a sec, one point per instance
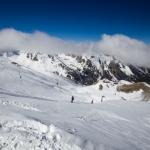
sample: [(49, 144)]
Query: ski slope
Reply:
[(36, 113)]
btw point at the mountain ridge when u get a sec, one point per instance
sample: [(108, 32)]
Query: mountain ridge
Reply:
[(85, 70)]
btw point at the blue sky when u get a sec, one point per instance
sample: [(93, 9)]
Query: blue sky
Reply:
[(78, 19)]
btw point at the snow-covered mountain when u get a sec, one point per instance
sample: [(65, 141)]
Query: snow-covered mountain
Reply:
[(100, 76), (81, 69), (35, 108)]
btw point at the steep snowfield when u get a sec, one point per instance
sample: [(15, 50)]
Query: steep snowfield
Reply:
[(36, 113)]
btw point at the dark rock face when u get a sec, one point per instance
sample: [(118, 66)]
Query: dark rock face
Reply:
[(107, 75), (116, 71), (88, 76), (112, 71), (140, 74), (32, 57)]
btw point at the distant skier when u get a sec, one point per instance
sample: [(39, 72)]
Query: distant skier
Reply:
[(102, 98), (72, 99), (20, 75), (19, 71), (92, 102)]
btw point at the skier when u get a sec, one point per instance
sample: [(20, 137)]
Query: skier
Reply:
[(19, 71), (102, 98), (20, 74), (92, 101), (72, 99)]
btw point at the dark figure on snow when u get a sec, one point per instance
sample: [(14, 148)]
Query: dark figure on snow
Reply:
[(102, 98), (20, 75), (92, 102), (72, 99)]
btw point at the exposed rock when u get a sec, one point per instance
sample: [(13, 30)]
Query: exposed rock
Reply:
[(100, 87)]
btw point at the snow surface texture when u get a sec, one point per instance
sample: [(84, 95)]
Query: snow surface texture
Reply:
[(29, 134), (36, 113)]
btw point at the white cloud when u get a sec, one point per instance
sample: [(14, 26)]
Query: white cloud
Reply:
[(125, 48), (38, 41)]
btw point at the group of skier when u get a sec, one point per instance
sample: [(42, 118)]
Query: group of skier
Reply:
[(72, 99)]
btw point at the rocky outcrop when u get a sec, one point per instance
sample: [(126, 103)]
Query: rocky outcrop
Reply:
[(88, 75)]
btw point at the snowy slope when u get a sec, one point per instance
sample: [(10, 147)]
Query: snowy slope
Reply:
[(36, 113), (30, 80)]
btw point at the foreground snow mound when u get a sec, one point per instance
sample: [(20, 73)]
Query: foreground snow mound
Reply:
[(27, 135)]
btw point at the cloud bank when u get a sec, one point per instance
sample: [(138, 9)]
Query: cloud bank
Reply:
[(38, 41), (124, 48)]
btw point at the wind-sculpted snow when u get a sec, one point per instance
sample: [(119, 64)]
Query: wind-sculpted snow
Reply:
[(27, 135)]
